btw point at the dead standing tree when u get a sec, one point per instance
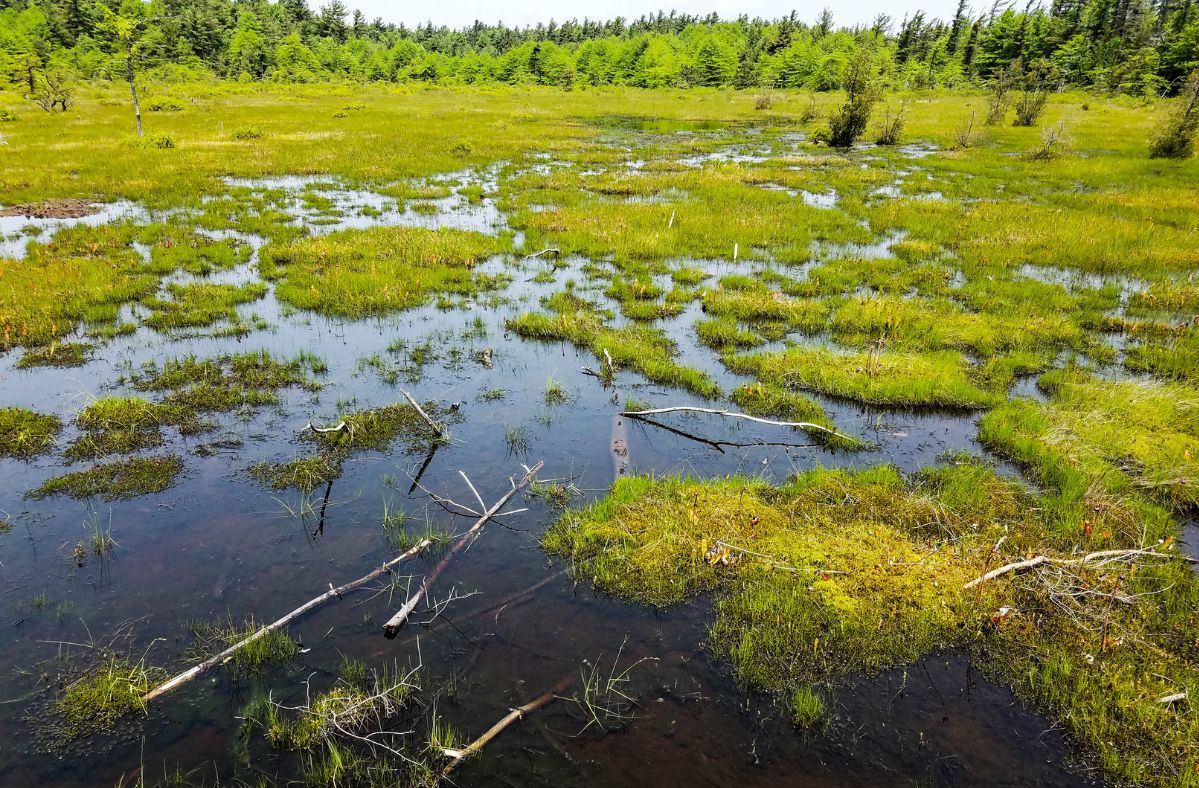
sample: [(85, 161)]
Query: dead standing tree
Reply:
[(127, 32)]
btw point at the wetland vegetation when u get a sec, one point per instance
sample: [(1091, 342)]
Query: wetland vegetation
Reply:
[(353, 277)]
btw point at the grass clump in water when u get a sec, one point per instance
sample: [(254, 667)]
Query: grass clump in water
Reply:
[(99, 699), (25, 433), (227, 382), (806, 707), (913, 379), (641, 349), (118, 480), (355, 273), (723, 333), (195, 305), (255, 658), (56, 354), (303, 473), (769, 401), (120, 425)]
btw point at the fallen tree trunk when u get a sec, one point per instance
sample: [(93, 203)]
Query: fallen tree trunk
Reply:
[(393, 625), (1102, 555), (458, 756), (803, 425), (218, 659)]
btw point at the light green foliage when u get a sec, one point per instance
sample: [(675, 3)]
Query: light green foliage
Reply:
[(98, 700)]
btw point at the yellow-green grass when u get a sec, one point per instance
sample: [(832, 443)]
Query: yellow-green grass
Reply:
[(941, 379), (200, 304), (355, 273)]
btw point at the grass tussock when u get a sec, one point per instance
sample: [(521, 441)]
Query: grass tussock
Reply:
[(117, 480), (25, 433), (96, 701), (357, 273), (927, 379)]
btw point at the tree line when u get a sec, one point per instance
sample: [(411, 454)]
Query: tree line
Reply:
[(1138, 47)]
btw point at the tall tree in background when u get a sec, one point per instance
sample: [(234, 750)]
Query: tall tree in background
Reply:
[(126, 29)]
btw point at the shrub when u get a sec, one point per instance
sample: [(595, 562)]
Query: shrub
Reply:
[(763, 101), (862, 91), (248, 133), (891, 127), (1054, 142), (965, 136), (164, 104), (53, 91), (6, 116), (1175, 137)]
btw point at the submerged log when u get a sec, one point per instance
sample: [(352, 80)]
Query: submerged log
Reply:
[(225, 655)]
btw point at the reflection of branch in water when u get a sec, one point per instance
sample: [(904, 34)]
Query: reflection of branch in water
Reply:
[(320, 528), (424, 466), (718, 445)]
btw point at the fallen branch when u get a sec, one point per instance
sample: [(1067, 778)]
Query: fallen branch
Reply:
[(718, 445), (803, 425), (225, 655), (551, 252), (393, 625), (458, 756), (341, 425), (440, 429), (1103, 556), (1177, 696)]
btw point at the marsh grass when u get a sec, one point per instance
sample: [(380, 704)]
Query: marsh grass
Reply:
[(25, 433), (56, 354), (303, 473), (195, 305), (925, 379), (96, 701), (379, 270), (255, 658), (117, 480)]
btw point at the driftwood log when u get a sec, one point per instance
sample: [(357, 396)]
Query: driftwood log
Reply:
[(332, 593), (803, 425)]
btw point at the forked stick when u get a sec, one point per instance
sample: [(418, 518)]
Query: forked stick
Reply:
[(393, 625)]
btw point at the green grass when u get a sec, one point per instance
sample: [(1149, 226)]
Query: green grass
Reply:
[(255, 658), (200, 305), (25, 433), (303, 473), (65, 354), (356, 273), (928, 379), (117, 480), (96, 701)]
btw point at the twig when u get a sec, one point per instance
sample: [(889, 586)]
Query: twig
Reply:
[(1177, 696), (212, 662), (440, 429), (803, 425), (341, 425), (552, 252), (458, 756), (1103, 556), (395, 622)]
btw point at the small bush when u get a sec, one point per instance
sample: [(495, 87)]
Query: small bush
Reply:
[(763, 101), (155, 139), (6, 116), (965, 136), (891, 126), (164, 104), (1030, 105), (809, 112), (1175, 137), (248, 133), (1054, 142)]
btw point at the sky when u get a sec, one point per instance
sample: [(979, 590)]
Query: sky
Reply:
[(460, 13)]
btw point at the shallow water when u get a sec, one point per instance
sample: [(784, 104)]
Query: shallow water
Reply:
[(218, 544)]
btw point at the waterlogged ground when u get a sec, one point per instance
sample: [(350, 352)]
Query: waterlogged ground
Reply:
[(897, 295)]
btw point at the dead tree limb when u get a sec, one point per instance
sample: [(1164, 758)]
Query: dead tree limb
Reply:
[(438, 428), (332, 593), (544, 252), (393, 625), (1103, 556), (338, 427), (1177, 696), (458, 756), (803, 425)]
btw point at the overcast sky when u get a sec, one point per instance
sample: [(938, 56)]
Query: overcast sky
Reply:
[(459, 13)]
